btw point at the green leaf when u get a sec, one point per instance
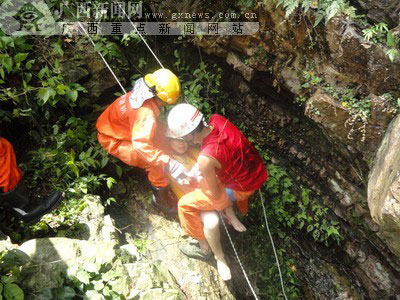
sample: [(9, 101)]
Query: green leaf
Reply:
[(391, 40), (94, 295), (13, 292), (74, 169), (91, 267), (110, 182), (7, 63), (42, 72), (332, 10), (19, 57), (392, 53), (65, 293), (72, 95), (61, 88), (332, 230), (98, 285), (29, 64), (2, 73), (46, 93), (118, 169), (83, 276), (8, 41), (104, 161)]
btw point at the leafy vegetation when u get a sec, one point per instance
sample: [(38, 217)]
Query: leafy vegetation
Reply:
[(201, 84), (66, 155), (91, 280), (380, 33), (10, 261), (323, 9)]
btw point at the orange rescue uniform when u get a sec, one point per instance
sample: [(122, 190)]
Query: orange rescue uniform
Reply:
[(10, 174), (135, 137), (192, 201)]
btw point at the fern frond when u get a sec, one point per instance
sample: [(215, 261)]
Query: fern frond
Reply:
[(290, 6), (332, 10), (306, 4)]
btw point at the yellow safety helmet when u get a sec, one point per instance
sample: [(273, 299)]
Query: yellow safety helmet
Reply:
[(165, 85)]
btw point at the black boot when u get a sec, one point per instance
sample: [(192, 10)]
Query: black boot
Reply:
[(30, 213), (165, 200)]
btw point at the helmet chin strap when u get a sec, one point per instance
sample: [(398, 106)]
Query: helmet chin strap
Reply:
[(151, 88)]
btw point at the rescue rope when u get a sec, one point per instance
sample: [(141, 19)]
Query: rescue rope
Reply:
[(144, 41), (238, 259), (101, 55), (94, 46), (273, 245)]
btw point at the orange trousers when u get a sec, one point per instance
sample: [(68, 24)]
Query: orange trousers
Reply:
[(10, 174), (192, 204), (125, 152)]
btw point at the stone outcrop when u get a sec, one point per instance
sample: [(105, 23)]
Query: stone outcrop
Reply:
[(384, 187), (382, 10), (49, 265), (346, 128)]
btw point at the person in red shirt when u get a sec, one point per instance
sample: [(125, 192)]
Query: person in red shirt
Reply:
[(232, 170), (129, 130), (13, 192)]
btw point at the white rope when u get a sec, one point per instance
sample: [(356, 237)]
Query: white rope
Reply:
[(94, 45), (144, 41), (273, 246), (237, 257)]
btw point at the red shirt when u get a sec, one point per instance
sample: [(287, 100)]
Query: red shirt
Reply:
[(242, 168)]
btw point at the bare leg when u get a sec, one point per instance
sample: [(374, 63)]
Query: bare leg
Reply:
[(211, 232), (204, 246), (234, 220)]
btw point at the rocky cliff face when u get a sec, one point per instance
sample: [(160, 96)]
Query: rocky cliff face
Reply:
[(329, 142)]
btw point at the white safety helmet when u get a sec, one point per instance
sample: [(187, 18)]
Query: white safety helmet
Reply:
[(183, 119)]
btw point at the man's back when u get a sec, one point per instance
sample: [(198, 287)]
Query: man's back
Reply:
[(242, 167)]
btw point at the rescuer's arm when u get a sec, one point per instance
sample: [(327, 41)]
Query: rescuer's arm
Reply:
[(207, 167)]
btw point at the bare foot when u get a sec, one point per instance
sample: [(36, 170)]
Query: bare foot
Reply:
[(223, 269), (230, 214), (238, 225)]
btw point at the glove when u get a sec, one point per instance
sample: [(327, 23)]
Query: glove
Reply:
[(177, 171), (229, 192)]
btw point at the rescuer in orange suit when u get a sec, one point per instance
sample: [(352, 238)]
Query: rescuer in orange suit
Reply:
[(128, 129), (13, 192)]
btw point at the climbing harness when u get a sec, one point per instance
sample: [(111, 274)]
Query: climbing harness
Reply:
[(273, 247)]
